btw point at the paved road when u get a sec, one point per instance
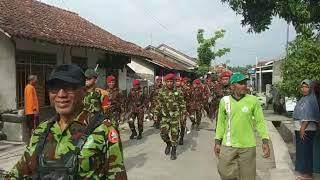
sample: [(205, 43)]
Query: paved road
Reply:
[(145, 159)]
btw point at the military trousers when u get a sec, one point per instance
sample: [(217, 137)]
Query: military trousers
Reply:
[(116, 117), (139, 116), (196, 116), (169, 125), (237, 163), (210, 109)]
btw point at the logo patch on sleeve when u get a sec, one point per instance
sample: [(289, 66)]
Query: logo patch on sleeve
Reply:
[(113, 136)]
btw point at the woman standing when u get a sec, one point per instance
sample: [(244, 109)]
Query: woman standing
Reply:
[(306, 116)]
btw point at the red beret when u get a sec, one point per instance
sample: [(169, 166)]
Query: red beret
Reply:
[(179, 78), (186, 79), (110, 78), (225, 74), (136, 82), (196, 81), (170, 76)]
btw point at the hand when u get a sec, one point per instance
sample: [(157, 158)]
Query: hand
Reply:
[(36, 113), (266, 150), (217, 148), (302, 133)]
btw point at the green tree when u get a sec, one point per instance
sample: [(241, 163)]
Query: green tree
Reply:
[(207, 52), (303, 62), (258, 14), (242, 69)]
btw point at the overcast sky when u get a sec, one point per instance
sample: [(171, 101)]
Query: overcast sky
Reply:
[(176, 22)]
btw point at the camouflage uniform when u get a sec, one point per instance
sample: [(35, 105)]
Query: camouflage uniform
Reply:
[(135, 106), (116, 101), (219, 93), (209, 106), (153, 100), (96, 100), (196, 104), (183, 120), (99, 158), (170, 106)]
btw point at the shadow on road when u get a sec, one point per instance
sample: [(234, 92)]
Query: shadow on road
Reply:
[(135, 161)]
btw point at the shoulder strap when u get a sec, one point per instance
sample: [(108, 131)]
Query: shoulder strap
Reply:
[(94, 122), (43, 137), (227, 104)]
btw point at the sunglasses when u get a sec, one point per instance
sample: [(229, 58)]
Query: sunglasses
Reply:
[(69, 88)]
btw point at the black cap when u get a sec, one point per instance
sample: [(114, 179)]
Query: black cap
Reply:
[(69, 73)]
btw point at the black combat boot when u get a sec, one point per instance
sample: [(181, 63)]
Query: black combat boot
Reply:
[(139, 135), (168, 148), (133, 134), (173, 153)]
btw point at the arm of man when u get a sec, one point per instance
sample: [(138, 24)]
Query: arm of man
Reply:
[(221, 127), (35, 103), (262, 128), (182, 103), (158, 108), (101, 156), (27, 165), (115, 162)]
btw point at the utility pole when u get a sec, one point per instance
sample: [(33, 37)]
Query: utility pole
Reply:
[(287, 44)]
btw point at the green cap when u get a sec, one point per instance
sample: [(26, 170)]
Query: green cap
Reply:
[(90, 73), (237, 77)]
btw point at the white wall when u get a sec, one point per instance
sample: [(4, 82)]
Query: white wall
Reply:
[(122, 79), (177, 55), (141, 66), (7, 74)]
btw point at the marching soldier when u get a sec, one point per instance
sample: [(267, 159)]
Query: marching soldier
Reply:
[(96, 99), (209, 103), (196, 104), (116, 99), (135, 106), (222, 89), (181, 86), (171, 106), (153, 101)]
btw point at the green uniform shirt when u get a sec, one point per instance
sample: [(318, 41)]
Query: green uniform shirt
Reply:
[(245, 113)]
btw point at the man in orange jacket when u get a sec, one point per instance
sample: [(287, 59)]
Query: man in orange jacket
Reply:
[(31, 105)]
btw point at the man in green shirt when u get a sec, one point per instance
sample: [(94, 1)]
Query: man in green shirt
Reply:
[(235, 141)]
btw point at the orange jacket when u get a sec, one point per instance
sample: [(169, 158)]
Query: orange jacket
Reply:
[(31, 105)]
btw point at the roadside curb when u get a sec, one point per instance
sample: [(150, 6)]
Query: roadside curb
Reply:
[(284, 166)]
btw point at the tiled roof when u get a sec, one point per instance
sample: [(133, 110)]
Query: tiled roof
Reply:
[(162, 61), (32, 19), (175, 50)]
